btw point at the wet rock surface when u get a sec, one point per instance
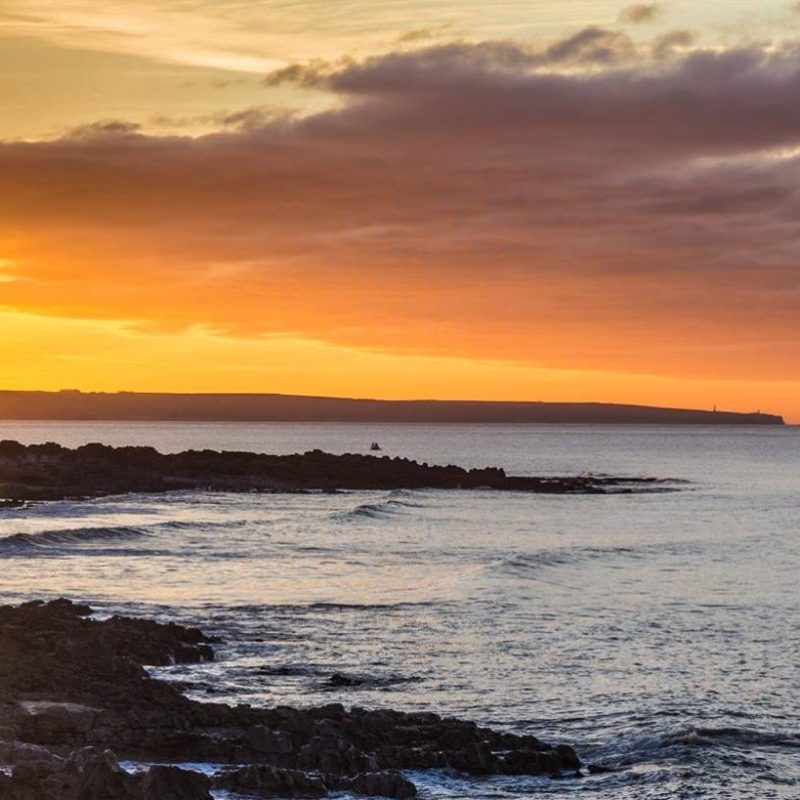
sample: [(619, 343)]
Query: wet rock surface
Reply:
[(91, 774), (53, 472), (75, 698)]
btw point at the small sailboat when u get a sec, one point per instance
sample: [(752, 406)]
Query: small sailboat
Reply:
[(374, 446)]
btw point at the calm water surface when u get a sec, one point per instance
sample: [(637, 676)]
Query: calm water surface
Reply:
[(655, 632)]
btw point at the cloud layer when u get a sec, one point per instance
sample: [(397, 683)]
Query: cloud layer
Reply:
[(597, 203)]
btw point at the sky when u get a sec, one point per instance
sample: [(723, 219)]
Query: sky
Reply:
[(580, 200)]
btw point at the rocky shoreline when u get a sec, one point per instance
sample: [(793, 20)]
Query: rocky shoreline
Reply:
[(76, 699), (52, 472)]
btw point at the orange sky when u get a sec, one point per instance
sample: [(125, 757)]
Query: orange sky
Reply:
[(449, 207)]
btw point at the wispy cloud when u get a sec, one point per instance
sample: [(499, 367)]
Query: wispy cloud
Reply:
[(201, 34), (255, 37)]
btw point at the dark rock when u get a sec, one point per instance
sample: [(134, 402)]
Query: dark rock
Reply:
[(599, 769), (341, 681), (50, 472), (71, 688), (162, 782), (265, 781), (337, 680), (388, 783), (12, 503), (262, 739), (91, 774)]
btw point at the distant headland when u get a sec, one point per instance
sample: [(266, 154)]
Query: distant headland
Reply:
[(75, 405)]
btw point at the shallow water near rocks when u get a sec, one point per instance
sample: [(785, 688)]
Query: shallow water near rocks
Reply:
[(656, 632)]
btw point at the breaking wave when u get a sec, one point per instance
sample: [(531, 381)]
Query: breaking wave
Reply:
[(697, 736), (397, 502), (523, 563), (58, 540)]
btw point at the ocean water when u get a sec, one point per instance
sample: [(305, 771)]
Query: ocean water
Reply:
[(658, 633)]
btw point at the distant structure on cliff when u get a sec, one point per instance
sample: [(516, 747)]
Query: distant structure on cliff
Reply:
[(76, 405)]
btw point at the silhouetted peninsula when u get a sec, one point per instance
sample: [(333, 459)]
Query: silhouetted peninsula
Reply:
[(74, 405), (52, 472)]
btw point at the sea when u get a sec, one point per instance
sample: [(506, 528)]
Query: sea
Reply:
[(657, 632)]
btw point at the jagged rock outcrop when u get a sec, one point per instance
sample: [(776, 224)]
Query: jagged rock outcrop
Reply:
[(75, 697)]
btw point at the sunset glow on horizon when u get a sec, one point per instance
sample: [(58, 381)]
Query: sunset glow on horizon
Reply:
[(572, 202)]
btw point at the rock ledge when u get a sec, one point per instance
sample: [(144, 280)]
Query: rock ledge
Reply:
[(75, 698)]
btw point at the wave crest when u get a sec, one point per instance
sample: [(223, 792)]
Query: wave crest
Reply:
[(397, 502), (699, 736), (49, 541)]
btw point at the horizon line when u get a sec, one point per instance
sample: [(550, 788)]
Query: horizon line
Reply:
[(74, 392)]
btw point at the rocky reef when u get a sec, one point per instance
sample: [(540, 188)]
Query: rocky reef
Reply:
[(52, 472), (75, 699)]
